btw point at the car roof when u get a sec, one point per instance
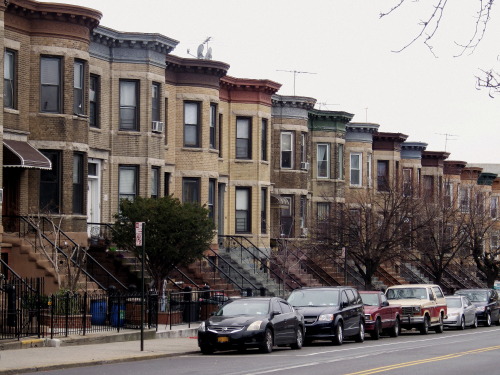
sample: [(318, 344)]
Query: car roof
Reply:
[(370, 292), (412, 286), (474, 290), (325, 288)]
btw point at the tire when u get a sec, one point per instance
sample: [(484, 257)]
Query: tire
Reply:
[(440, 327), (462, 323), (375, 334), (299, 339), (267, 345), (424, 327), (360, 337), (474, 325), (206, 349), (396, 330), (339, 334), (487, 323)]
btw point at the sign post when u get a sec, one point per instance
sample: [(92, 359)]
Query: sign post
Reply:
[(140, 229)]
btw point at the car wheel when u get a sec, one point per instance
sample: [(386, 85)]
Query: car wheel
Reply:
[(474, 325), (267, 345), (299, 339), (487, 323), (375, 334), (360, 337), (440, 327), (424, 327), (206, 349), (396, 330), (462, 323), (339, 334)]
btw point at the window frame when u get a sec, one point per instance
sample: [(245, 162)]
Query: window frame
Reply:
[(155, 101), (135, 182), (340, 162), (320, 162), (358, 170), (196, 126), (155, 182), (51, 178), (264, 142), (94, 100), (79, 92), (134, 126), (212, 186), (193, 184), (213, 126), (383, 176), (10, 82), (78, 180), (284, 152), (246, 212), (246, 153), (45, 87), (263, 210)]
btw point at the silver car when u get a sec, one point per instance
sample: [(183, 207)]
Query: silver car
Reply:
[(461, 313)]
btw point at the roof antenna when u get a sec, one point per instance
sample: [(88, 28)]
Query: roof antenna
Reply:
[(200, 49), (448, 137), (295, 72)]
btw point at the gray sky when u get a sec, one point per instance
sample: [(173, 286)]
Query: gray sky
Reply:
[(349, 49)]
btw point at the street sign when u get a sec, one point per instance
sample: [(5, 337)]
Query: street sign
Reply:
[(138, 233)]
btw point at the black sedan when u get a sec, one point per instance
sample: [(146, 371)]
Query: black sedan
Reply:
[(259, 322), (487, 304)]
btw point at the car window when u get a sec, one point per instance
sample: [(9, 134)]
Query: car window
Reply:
[(245, 307), (276, 306), (285, 307), (359, 301), (344, 299), (383, 298), (314, 297), (437, 292), (370, 299), (454, 302), (406, 293), (351, 297)]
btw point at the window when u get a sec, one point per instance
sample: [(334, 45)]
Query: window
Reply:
[(464, 199), (369, 169), (243, 224), (155, 102), (211, 199), (286, 150), (428, 182), (264, 140), (286, 217), (243, 138), (263, 210), (448, 194), (78, 87), (166, 184), (407, 182), (190, 190), (494, 242), (303, 149), (50, 184), (192, 124), (494, 207), (78, 183), (355, 169), (213, 126), (129, 105), (303, 211), (50, 82), (323, 156), (340, 161), (383, 175), (94, 101), (323, 217), (220, 135), (9, 79), (155, 182), (127, 186)]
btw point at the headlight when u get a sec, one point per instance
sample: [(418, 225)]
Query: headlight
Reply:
[(325, 317), (368, 317), (480, 308), (417, 309), (453, 314), (202, 327), (254, 326)]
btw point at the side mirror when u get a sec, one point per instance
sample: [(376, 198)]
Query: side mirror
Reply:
[(344, 304), (276, 312), (385, 303), (432, 298)]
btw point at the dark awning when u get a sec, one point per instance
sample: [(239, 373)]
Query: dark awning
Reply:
[(22, 154), (277, 201)]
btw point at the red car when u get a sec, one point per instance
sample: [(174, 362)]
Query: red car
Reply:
[(380, 317)]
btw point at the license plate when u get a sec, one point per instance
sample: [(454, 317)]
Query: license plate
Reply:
[(223, 339)]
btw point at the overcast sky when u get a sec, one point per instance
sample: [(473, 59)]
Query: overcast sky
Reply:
[(347, 51)]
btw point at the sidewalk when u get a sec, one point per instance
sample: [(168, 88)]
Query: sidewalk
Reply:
[(94, 349)]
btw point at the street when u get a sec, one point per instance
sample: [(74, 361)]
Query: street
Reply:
[(454, 352)]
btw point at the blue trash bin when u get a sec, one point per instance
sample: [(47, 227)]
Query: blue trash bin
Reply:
[(117, 318), (98, 311)]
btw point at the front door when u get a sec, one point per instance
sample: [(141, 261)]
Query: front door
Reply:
[(94, 196), (10, 204)]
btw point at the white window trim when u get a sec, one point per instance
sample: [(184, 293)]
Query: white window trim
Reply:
[(291, 149), (360, 168), (327, 160)]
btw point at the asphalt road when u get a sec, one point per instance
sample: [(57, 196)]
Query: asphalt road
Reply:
[(472, 351)]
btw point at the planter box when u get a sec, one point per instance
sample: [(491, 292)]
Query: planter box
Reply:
[(74, 321)]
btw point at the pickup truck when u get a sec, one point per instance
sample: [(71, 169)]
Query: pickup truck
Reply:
[(380, 317), (424, 306)]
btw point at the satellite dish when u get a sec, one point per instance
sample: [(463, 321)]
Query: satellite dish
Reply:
[(200, 51), (208, 56)]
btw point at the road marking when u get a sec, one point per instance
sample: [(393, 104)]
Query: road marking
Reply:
[(423, 361)]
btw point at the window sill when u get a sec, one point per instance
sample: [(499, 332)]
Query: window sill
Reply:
[(244, 161), (134, 133), (192, 149), (11, 110)]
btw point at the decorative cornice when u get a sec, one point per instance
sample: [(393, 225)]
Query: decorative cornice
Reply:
[(116, 39), (434, 158), (412, 150), (486, 178), (341, 116), (471, 173), (302, 102), (265, 86), (454, 167), (362, 127), (390, 137)]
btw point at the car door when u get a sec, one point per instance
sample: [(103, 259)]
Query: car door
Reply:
[(469, 311), (386, 311), (351, 320), (495, 308), (278, 320), (290, 321)]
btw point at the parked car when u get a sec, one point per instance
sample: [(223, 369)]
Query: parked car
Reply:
[(260, 322), (461, 313), (380, 317), (424, 306), (486, 302), (330, 313)]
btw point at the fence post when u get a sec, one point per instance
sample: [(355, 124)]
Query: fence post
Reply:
[(84, 307), (66, 306)]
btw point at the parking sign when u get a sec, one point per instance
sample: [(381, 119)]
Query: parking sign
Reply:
[(138, 233)]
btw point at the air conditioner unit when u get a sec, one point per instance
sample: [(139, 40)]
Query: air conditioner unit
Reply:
[(158, 126), (304, 165), (305, 232)]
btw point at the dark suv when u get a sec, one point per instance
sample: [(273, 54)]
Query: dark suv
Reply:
[(330, 313), (486, 302)]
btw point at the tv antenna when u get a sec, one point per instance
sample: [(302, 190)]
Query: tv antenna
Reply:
[(295, 72), (448, 137), (325, 105), (201, 47)]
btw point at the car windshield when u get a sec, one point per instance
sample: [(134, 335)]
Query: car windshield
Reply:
[(453, 302), (244, 307), (406, 293), (475, 295), (369, 299), (302, 298)]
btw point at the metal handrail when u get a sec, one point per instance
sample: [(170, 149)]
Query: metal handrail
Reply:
[(16, 275)]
